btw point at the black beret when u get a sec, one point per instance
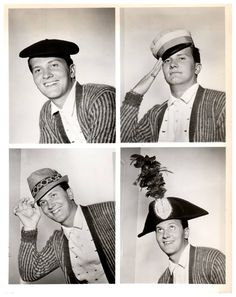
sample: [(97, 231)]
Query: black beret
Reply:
[(180, 209), (50, 48)]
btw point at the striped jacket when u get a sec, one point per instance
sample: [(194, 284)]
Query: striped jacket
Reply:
[(95, 105), (34, 265), (206, 266), (207, 122)]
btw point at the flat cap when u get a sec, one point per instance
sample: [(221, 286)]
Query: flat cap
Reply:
[(169, 42), (50, 48), (179, 209)]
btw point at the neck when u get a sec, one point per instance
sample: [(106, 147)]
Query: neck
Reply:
[(178, 90), (59, 102), (69, 222), (175, 257)]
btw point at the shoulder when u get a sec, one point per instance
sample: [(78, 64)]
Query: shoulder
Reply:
[(213, 94), (209, 253), (98, 88), (158, 108), (46, 107), (57, 235), (102, 205)]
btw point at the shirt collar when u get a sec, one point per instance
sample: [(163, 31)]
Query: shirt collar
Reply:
[(183, 260), (69, 105), (187, 96)]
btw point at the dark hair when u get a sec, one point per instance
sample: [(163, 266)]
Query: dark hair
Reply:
[(184, 223), (68, 60), (196, 54), (65, 186)]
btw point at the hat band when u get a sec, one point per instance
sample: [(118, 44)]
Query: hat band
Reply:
[(44, 182)]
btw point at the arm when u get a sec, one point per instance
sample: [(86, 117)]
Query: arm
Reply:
[(34, 265), (131, 130), (218, 268), (103, 117), (220, 124)]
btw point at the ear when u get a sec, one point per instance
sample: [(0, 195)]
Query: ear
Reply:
[(198, 68), (186, 233), (72, 70), (70, 193)]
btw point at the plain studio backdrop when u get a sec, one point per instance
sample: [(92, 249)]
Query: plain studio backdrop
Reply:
[(93, 29), (198, 176), (139, 26), (91, 178)]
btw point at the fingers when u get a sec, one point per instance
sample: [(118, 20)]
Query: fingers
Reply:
[(23, 204), (156, 68)]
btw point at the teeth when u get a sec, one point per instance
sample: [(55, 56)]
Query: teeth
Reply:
[(55, 211), (50, 84)]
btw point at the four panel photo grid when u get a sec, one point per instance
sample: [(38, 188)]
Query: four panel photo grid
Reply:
[(119, 127)]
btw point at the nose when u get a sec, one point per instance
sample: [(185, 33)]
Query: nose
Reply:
[(47, 73), (173, 63), (50, 204), (165, 234)]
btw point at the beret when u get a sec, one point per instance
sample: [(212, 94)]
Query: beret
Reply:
[(50, 48), (168, 42), (179, 209)]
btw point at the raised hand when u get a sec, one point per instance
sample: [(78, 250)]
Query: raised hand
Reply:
[(28, 213), (145, 83)]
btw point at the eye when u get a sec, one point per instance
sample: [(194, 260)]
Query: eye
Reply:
[(42, 203), (159, 230), (167, 61), (36, 70), (54, 65), (182, 58), (172, 227)]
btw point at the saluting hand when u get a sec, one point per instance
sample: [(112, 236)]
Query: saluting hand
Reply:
[(145, 83), (28, 212)]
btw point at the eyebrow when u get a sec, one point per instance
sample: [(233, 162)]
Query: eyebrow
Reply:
[(49, 62)]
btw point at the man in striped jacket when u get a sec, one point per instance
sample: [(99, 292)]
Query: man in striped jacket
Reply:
[(191, 114), (84, 248), (74, 113), (168, 217)]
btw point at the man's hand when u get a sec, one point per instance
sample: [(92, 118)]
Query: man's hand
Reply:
[(28, 212), (145, 83)]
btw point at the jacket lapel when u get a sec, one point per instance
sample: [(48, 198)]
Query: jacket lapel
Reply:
[(193, 118)]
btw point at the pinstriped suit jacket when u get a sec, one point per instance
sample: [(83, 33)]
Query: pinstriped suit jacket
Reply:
[(206, 266), (96, 113), (207, 122), (34, 265)]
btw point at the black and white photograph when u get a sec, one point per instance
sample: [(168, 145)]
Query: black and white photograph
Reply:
[(62, 75), (173, 74), (62, 216), (173, 216)]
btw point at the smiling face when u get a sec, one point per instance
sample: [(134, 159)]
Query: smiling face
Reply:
[(172, 238), (52, 76), (58, 206), (181, 69)]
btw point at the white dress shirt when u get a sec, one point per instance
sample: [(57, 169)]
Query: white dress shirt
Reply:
[(180, 270), (84, 257), (69, 118), (176, 120)]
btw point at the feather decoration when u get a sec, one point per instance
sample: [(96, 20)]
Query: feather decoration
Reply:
[(151, 176)]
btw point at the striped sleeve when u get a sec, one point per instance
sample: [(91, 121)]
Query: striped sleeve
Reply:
[(131, 129), (34, 265)]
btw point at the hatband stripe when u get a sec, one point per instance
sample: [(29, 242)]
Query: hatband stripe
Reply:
[(44, 182)]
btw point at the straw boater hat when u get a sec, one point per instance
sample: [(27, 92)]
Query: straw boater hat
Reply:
[(169, 42), (162, 208), (43, 180)]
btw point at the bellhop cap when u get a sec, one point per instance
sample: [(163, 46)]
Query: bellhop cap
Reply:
[(179, 209), (169, 42), (43, 180), (50, 48)]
